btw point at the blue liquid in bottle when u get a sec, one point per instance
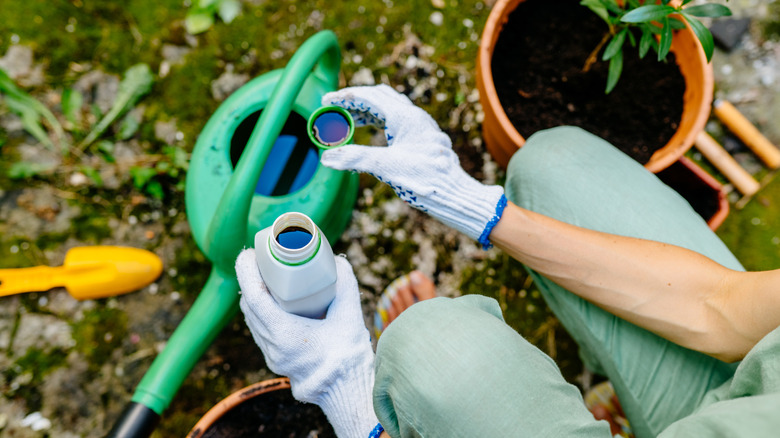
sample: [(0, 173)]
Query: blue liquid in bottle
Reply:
[(294, 237), (331, 128)]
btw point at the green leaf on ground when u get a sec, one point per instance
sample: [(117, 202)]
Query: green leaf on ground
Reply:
[(31, 111), (71, 105), (137, 83), (198, 21), (27, 169), (229, 10)]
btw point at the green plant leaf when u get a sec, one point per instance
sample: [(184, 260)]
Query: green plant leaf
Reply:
[(645, 43), (676, 23), (597, 7), (612, 6), (155, 189), (27, 169), (71, 105), (29, 110), (615, 69), (128, 127), (178, 157), (229, 10), (93, 175), (646, 13), (631, 39), (136, 84), (107, 149), (703, 34), (615, 45), (141, 176), (198, 21), (666, 40), (708, 10)]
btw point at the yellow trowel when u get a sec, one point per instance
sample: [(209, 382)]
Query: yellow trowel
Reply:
[(88, 272)]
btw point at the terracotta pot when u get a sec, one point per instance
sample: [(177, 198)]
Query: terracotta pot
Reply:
[(205, 424), (699, 188), (502, 139)]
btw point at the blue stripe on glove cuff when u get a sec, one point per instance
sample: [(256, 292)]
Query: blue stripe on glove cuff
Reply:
[(484, 238), (377, 431)]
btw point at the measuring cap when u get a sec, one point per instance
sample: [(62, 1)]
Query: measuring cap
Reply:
[(330, 127)]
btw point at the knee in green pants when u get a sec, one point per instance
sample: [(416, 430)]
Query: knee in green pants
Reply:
[(453, 368)]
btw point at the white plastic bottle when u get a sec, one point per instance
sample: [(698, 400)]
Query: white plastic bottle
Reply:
[(297, 265)]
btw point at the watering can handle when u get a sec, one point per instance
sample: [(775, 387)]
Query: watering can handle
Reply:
[(226, 236)]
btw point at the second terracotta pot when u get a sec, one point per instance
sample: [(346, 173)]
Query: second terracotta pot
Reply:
[(264, 409)]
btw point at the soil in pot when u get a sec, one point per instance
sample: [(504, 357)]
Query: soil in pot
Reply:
[(538, 73), (273, 414)]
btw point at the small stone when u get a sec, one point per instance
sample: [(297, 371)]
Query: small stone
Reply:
[(78, 179), (36, 422), (227, 83), (364, 76), (437, 18), (727, 32)]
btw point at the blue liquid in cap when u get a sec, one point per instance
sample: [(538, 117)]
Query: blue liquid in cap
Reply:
[(331, 128), (294, 237)]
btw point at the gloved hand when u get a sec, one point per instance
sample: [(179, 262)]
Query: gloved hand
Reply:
[(330, 361), (418, 163)]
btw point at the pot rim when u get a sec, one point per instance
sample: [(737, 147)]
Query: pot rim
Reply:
[(226, 404)]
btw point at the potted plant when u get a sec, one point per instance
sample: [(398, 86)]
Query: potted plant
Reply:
[(265, 408), (531, 76)]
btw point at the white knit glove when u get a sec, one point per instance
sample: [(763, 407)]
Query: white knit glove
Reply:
[(418, 163), (330, 362)]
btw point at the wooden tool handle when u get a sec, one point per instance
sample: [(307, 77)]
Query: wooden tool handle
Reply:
[(747, 132), (726, 164)]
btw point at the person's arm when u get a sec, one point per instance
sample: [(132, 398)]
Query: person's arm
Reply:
[(678, 294), (674, 292)]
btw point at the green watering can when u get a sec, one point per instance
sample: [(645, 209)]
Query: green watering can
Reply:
[(252, 162)]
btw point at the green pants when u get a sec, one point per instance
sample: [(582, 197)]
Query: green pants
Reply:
[(452, 368)]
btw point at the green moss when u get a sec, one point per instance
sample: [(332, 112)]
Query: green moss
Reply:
[(112, 34), (186, 93), (15, 253), (91, 228), (192, 269), (39, 364), (772, 22), (752, 233), (101, 331), (51, 240)]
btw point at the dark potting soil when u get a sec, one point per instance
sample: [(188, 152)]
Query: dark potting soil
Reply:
[(275, 414), (538, 73)]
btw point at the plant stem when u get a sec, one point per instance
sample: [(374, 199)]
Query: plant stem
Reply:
[(593, 57)]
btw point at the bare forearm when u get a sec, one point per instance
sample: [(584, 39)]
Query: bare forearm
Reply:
[(673, 292)]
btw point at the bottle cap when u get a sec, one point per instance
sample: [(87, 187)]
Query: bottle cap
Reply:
[(330, 127)]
